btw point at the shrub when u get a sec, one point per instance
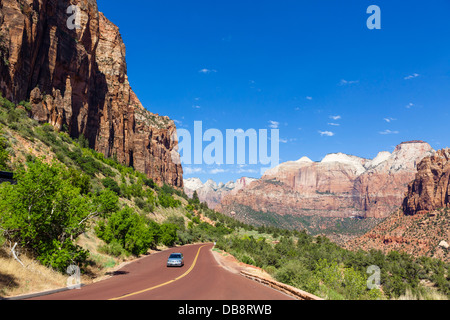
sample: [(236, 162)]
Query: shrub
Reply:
[(297, 275), (14, 115), (150, 183), (128, 229), (6, 103), (355, 284), (140, 203), (83, 142), (112, 185), (168, 234), (26, 105), (167, 201), (4, 154), (114, 248), (45, 213)]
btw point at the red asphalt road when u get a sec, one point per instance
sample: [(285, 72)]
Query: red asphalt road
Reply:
[(201, 278)]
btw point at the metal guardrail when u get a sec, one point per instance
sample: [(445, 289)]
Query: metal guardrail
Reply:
[(292, 291)]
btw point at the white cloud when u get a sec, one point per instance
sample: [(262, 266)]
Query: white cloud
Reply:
[(326, 133), (196, 107), (216, 171), (389, 132), (409, 105), (247, 171), (348, 82), (309, 98), (388, 120), (273, 124), (283, 140), (412, 76), (334, 124), (206, 71), (335, 117), (190, 170)]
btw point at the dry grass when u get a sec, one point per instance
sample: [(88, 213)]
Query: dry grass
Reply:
[(426, 293), (161, 214), (17, 280)]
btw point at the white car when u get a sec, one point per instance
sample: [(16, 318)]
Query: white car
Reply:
[(175, 260)]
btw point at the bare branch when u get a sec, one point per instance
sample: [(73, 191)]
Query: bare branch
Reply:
[(13, 251)]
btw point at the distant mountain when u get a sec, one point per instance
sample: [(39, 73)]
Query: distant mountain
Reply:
[(319, 195), (211, 192)]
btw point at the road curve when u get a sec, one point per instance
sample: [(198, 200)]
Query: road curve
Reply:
[(201, 278)]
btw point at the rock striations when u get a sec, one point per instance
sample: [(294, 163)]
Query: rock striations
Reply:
[(76, 80), (340, 186), (421, 226), (431, 188)]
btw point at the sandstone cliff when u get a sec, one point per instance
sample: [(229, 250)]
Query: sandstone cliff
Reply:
[(381, 189), (422, 225), (340, 186), (431, 188), (77, 81)]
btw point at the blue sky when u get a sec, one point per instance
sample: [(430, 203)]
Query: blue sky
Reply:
[(311, 68)]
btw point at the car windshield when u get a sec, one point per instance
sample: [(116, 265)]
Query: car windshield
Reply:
[(175, 256)]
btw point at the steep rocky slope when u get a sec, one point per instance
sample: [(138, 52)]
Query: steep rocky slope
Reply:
[(420, 235), (76, 80), (211, 192), (422, 225), (340, 186), (431, 187), (381, 189)]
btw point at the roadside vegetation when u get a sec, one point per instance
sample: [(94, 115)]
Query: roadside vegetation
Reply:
[(71, 205), (319, 266)]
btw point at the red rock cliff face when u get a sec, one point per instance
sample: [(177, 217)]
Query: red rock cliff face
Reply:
[(77, 81), (431, 188), (381, 189), (422, 226), (340, 186)]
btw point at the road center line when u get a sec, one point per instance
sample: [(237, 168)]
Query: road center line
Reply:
[(163, 284)]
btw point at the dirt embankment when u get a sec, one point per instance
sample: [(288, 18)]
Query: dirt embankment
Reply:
[(231, 264)]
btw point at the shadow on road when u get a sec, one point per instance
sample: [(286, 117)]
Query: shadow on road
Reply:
[(116, 273)]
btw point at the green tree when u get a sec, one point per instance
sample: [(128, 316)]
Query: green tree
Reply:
[(168, 234), (129, 229), (83, 142), (112, 185), (355, 284), (80, 180), (4, 154), (167, 201), (195, 198), (45, 213)]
